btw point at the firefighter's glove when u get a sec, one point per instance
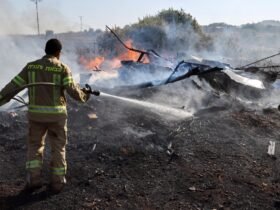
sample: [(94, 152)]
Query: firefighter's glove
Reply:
[(85, 91)]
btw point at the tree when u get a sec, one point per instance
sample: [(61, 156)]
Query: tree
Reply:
[(170, 30)]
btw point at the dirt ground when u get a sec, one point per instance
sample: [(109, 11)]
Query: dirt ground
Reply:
[(122, 156)]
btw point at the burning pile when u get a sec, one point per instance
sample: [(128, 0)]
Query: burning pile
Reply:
[(102, 62), (141, 69)]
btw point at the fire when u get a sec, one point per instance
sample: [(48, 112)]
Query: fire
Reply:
[(97, 62), (92, 63), (129, 55)]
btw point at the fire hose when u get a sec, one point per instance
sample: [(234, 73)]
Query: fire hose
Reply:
[(86, 89)]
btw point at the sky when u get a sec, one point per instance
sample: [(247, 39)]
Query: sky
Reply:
[(19, 16)]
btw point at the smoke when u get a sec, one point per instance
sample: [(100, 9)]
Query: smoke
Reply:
[(15, 52), (181, 95), (11, 21), (14, 21), (240, 45), (173, 41), (182, 39)]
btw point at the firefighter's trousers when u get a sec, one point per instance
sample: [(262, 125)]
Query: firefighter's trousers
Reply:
[(57, 136)]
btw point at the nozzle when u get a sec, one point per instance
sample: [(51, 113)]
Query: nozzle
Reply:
[(88, 89), (95, 92)]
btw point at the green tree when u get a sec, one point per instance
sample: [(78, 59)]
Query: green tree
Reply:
[(170, 30)]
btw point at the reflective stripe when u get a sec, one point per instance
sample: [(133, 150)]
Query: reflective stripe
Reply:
[(68, 80), (32, 78), (56, 90), (19, 80), (30, 89), (34, 88), (59, 171), (33, 164), (47, 109)]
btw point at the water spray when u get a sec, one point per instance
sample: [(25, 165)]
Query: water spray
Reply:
[(169, 111), (161, 109)]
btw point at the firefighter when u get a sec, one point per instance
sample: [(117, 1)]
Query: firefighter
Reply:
[(47, 113)]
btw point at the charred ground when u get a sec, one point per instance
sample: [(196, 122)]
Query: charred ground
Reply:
[(131, 158)]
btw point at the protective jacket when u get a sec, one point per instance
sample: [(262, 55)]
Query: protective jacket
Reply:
[(46, 103)]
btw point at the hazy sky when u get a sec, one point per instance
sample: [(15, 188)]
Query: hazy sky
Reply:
[(18, 16)]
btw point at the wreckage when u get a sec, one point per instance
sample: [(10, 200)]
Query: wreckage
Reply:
[(246, 81)]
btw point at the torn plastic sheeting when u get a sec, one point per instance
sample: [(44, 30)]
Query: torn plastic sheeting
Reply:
[(244, 80)]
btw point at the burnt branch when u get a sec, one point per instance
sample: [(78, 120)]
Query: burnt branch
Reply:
[(142, 52)]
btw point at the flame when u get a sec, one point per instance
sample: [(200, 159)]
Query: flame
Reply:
[(91, 63), (96, 62), (128, 54), (131, 55)]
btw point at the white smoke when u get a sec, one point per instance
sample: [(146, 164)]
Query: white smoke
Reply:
[(11, 21), (15, 53), (238, 45), (23, 21)]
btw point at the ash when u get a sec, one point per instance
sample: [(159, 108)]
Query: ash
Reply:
[(129, 157)]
